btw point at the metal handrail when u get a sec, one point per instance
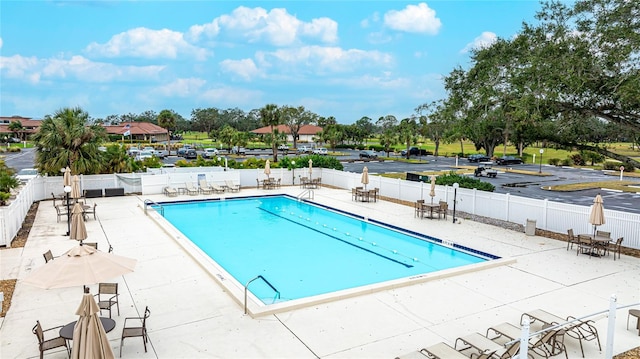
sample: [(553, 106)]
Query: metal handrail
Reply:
[(148, 202), (246, 289), (309, 192)]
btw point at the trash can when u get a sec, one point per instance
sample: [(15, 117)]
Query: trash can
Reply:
[(530, 228)]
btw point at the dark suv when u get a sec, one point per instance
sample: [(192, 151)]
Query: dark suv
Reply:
[(478, 158), (368, 154), (509, 160)]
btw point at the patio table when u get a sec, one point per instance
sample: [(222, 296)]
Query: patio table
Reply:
[(430, 207), (600, 241), (67, 331)]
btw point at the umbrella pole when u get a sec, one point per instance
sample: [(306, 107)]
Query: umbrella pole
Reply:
[(68, 216)]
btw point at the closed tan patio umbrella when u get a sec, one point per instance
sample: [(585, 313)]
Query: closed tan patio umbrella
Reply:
[(310, 167), (66, 178), (267, 168), (78, 229), (81, 265), (596, 217), (432, 192), (89, 338), (365, 177), (75, 188)]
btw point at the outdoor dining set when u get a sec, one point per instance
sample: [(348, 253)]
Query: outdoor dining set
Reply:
[(594, 244), (421, 208)]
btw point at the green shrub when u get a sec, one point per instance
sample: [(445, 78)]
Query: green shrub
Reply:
[(613, 165), (554, 161), (464, 182), (577, 159), (567, 162)]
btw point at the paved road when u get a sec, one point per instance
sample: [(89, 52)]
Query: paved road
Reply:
[(517, 184)]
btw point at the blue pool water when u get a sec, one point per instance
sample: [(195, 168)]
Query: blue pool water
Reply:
[(303, 249)]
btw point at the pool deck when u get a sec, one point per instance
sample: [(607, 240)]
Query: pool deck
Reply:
[(193, 317)]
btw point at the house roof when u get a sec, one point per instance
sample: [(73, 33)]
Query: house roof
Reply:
[(29, 125), (136, 128), (304, 130)]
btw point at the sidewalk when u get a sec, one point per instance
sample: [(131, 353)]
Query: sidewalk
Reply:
[(192, 316)]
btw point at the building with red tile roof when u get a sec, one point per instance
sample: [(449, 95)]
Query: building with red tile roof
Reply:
[(29, 126), (142, 131), (306, 133)]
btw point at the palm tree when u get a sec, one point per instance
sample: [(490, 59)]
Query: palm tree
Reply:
[(271, 117), (66, 139), (167, 120)]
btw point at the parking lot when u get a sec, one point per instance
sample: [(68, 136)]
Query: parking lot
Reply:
[(517, 184)]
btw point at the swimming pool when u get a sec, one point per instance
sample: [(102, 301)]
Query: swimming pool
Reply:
[(301, 250)]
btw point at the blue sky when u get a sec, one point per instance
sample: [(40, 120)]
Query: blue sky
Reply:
[(346, 59)]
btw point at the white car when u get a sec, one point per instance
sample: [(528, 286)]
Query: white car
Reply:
[(25, 174), (210, 152), (144, 155), (320, 151)]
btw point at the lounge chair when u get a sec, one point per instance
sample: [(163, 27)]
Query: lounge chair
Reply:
[(443, 351), (550, 343), (191, 189), (579, 329), (478, 342), (170, 191), (204, 187), (217, 188), (232, 186)]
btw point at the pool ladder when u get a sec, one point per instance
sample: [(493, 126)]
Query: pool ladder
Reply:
[(246, 289), (309, 192), (148, 202)]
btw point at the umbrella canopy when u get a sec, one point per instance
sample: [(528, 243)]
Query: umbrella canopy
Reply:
[(365, 177), (310, 167), (596, 217), (81, 265), (78, 229), (89, 338), (66, 179), (75, 188), (267, 168), (432, 192)]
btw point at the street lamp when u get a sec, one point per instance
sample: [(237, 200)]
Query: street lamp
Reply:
[(455, 198), (67, 190), (293, 172), (541, 152)]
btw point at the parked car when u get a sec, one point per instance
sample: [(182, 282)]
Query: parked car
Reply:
[(368, 154), (14, 140), (414, 151), (238, 150), (133, 151), (183, 150), (283, 148), (304, 149), (190, 154), (142, 155), (26, 174), (509, 160), (320, 151), (478, 158), (161, 154), (210, 153)]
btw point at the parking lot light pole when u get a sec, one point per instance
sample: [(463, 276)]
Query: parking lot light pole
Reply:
[(541, 152), (455, 199)]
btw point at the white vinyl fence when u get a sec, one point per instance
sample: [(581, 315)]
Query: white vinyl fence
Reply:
[(550, 216)]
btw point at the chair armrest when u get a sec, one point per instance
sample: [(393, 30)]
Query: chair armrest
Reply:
[(50, 329), (124, 325)]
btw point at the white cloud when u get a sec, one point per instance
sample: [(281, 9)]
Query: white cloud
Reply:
[(276, 27), (80, 68), (325, 59), (413, 18), (147, 43), (486, 39), (182, 87), (244, 68), (231, 97)]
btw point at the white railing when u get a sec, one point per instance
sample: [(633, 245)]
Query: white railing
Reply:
[(550, 216)]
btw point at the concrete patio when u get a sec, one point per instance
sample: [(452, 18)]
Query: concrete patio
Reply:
[(193, 317)]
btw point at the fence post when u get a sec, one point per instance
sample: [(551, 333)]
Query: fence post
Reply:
[(611, 327), (507, 199), (524, 337), (545, 210)]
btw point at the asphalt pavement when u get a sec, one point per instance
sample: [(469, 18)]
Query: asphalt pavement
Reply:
[(530, 186)]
